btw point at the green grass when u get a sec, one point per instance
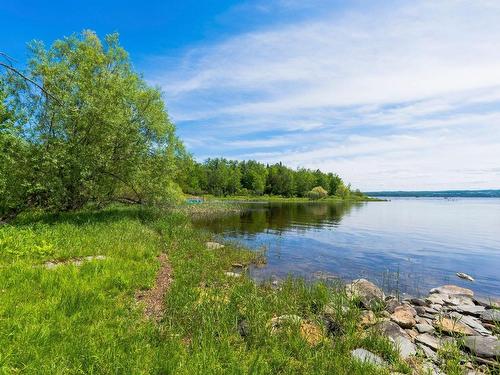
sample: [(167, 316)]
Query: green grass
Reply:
[(86, 319)]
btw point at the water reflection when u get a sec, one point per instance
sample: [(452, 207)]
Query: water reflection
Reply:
[(409, 245), (281, 217)]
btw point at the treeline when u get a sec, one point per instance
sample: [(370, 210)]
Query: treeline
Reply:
[(223, 177), (78, 125)]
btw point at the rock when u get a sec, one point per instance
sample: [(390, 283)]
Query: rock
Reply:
[(364, 355), (368, 293), (420, 310), (452, 290), (368, 319), (435, 299), (424, 328), (213, 245), (459, 300), (474, 323), (453, 326), (391, 305), (232, 274), (464, 276), (243, 328), (428, 352), (418, 302), (485, 347), (325, 276), (412, 333), (311, 333), (237, 265), (398, 337), (489, 303), (491, 316), (432, 310), (404, 316), (431, 369), (428, 340), (469, 310)]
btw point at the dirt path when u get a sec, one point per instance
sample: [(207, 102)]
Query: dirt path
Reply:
[(154, 298)]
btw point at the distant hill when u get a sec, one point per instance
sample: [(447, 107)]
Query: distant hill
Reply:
[(438, 194)]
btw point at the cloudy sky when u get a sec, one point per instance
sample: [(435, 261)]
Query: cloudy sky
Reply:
[(390, 95)]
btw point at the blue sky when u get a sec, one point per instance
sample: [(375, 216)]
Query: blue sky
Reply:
[(389, 94)]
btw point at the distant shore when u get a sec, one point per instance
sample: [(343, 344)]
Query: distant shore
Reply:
[(273, 198)]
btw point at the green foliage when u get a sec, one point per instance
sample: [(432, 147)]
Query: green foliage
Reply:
[(317, 193), (101, 134), (222, 177)]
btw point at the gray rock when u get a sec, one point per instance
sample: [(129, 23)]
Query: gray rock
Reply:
[(418, 302), (428, 352), (424, 328), (428, 340), (213, 245), (486, 347), (420, 310), (491, 316), (458, 300), (434, 299), (432, 369), (232, 274), (488, 302), (452, 290), (464, 276), (405, 347), (367, 292), (400, 339), (468, 309), (364, 355), (474, 323)]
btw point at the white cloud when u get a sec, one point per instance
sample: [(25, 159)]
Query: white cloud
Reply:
[(402, 96)]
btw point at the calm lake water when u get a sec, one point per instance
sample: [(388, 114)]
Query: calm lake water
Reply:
[(407, 244)]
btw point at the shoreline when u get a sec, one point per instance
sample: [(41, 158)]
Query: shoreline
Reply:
[(208, 314)]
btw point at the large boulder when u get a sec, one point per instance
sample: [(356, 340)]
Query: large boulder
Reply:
[(452, 290), (486, 347), (367, 292)]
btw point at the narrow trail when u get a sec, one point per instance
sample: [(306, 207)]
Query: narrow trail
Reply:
[(154, 298)]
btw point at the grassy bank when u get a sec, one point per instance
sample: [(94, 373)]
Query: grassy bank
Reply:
[(84, 318), (275, 198)]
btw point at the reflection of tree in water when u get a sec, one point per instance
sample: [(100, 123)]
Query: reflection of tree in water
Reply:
[(281, 217)]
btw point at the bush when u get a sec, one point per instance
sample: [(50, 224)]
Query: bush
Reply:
[(317, 193)]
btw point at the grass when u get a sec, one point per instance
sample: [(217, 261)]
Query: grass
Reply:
[(75, 320)]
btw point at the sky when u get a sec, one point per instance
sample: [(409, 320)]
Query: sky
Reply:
[(391, 95)]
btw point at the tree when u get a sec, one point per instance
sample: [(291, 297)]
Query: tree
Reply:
[(102, 134), (253, 176)]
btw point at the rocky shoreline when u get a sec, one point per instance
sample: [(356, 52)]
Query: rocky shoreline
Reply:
[(422, 327)]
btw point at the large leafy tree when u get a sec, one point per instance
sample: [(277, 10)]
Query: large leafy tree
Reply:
[(96, 131)]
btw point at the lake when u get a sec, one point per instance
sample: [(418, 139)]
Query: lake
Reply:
[(405, 244)]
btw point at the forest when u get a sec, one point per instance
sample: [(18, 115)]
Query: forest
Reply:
[(78, 125)]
